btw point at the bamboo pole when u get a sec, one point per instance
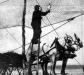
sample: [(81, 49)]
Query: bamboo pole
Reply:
[(30, 61), (23, 28), (23, 33), (38, 57)]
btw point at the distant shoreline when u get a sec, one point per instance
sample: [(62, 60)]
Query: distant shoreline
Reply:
[(71, 66), (68, 67)]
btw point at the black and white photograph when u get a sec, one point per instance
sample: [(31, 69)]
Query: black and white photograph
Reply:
[(41, 37)]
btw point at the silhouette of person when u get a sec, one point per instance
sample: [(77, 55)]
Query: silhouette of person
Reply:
[(36, 22)]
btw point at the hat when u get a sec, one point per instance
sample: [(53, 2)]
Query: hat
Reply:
[(37, 7)]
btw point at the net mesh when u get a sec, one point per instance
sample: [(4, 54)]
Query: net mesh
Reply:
[(11, 18)]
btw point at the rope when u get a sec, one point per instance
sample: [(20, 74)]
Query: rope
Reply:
[(54, 29), (16, 48), (12, 36), (52, 26), (68, 20), (51, 31), (48, 20), (4, 1), (14, 26), (61, 21), (42, 27), (79, 64)]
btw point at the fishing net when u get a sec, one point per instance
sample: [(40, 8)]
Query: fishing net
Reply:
[(11, 13)]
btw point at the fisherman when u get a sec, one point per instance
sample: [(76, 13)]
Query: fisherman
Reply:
[(36, 22)]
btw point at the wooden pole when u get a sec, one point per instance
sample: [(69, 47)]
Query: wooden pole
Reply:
[(38, 57), (23, 32), (23, 28), (30, 61)]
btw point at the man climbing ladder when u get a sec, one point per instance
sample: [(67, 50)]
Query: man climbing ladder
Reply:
[(36, 22), (36, 25)]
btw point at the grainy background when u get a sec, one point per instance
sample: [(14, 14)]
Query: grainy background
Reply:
[(11, 21)]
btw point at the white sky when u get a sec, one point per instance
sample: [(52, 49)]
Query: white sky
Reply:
[(11, 15)]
